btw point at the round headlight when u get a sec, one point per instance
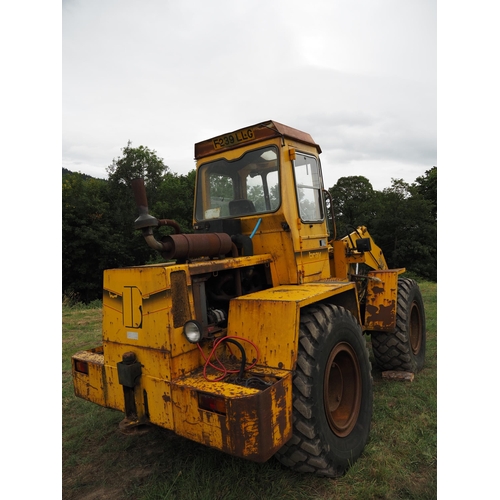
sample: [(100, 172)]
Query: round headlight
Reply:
[(192, 331)]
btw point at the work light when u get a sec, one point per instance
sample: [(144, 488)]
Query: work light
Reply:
[(193, 331)]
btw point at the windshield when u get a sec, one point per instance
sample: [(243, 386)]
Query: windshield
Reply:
[(245, 186)]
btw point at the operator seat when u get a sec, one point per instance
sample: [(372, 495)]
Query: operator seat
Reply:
[(241, 207)]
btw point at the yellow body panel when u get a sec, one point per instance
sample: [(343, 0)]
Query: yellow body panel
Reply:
[(270, 319), (138, 318), (271, 239), (91, 386), (255, 424), (382, 300)]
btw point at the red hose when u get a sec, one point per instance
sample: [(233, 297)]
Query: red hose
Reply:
[(225, 371)]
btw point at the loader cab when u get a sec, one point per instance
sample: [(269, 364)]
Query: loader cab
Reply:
[(264, 182)]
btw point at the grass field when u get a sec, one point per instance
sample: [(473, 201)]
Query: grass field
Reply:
[(399, 461)]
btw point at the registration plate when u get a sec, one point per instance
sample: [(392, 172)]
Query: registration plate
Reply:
[(228, 140)]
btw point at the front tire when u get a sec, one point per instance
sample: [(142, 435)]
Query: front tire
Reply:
[(332, 394), (403, 350)]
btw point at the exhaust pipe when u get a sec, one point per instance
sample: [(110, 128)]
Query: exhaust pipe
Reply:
[(144, 220), (176, 246)]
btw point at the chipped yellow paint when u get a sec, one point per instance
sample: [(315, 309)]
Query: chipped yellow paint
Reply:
[(270, 319), (137, 318), (198, 425), (381, 300), (90, 386), (256, 422)]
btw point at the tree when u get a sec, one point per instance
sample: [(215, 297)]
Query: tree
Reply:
[(175, 199), (401, 219), (354, 203), (134, 163), (406, 229), (137, 162), (426, 186), (89, 244)]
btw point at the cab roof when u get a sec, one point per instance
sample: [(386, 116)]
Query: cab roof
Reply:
[(249, 135)]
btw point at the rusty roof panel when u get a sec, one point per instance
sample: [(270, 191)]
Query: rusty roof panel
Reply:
[(250, 135)]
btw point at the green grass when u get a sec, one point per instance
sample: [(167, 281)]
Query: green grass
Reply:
[(399, 461)]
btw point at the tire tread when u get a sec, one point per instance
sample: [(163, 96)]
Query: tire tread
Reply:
[(392, 350), (305, 452)]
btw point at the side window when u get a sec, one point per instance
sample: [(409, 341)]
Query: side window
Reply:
[(308, 182), (263, 190)]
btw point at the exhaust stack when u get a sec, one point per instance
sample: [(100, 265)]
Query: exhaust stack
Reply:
[(176, 246)]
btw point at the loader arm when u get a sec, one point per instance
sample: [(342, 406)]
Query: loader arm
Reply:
[(361, 248)]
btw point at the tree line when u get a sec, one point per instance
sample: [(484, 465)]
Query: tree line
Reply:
[(98, 215)]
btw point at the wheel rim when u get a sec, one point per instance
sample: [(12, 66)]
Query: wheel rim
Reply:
[(415, 328), (342, 389)]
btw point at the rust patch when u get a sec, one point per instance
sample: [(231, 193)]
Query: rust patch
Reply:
[(90, 356), (180, 303), (225, 434), (380, 312), (254, 421), (281, 418), (383, 314)]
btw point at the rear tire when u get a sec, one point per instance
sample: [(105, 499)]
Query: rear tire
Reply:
[(332, 394), (403, 350)]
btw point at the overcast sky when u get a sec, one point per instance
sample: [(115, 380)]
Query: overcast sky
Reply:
[(358, 75)]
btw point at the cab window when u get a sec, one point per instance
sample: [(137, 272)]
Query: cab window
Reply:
[(245, 186), (309, 184)]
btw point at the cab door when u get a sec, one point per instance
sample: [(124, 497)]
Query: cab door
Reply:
[(311, 249)]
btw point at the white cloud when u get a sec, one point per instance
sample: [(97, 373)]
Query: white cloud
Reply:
[(359, 76)]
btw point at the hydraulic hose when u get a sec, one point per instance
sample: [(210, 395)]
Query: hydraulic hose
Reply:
[(255, 228), (243, 356)]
